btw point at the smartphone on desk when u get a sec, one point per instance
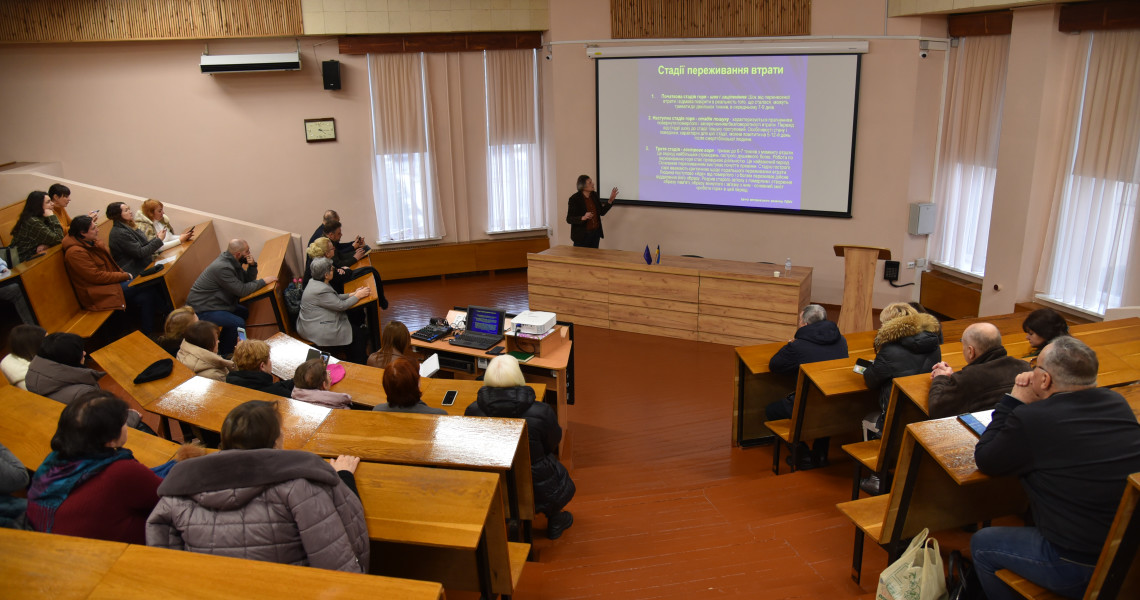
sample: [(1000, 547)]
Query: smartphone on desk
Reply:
[(497, 350), (449, 397), (861, 365)]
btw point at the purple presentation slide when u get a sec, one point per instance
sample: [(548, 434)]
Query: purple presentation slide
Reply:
[(723, 130)]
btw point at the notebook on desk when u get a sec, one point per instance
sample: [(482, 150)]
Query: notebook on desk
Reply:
[(484, 328)]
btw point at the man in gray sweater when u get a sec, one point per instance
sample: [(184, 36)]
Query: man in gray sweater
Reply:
[(215, 294)]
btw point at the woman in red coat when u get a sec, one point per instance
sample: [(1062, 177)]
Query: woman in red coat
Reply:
[(98, 281)]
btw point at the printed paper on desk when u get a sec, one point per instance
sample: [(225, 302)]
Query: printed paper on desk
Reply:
[(430, 366), (166, 260)]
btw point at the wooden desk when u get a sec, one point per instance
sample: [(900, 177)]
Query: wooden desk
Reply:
[(441, 525), (144, 573), (719, 301), (205, 403), (191, 259), (128, 356), (755, 386), (370, 303), (271, 262), (29, 421), (555, 370), (47, 565), (938, 486), (365, 385), (481, 444)]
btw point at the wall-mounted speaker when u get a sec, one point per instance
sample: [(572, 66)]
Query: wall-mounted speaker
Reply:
[(331, 71)]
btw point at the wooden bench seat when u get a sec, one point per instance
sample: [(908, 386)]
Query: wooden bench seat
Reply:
[(1026, 588), (48, 288)]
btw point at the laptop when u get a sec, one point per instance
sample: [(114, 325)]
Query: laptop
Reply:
[(484, 328)]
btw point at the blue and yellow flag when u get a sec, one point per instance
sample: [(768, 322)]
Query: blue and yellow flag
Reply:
[(658, 261)]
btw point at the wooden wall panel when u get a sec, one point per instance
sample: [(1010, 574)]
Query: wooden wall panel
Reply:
[(976, 24), (636, 19), (1113, 14), (439, 42), (119, 20)]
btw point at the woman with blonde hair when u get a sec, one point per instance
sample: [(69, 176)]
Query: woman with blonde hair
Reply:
[(395, 343), (505, 394), (323, 248), (175, 328)]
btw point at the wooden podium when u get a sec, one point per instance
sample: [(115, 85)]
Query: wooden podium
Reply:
[(858, 285)]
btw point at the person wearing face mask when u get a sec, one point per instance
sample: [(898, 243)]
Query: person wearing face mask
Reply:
[(215, 294), (584, 213)]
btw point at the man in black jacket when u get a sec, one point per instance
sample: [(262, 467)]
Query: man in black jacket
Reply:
[(984, 380), (1073, 445), (816, 340)]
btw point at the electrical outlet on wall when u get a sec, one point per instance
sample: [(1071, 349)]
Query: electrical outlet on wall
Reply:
[(920, 263), (910, 264)]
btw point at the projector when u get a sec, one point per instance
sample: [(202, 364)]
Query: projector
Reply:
[(534, 322)]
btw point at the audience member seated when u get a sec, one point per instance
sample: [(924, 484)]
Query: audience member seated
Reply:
[(401, 383), (323, 320), (57, 371), (395, 343), (1041, 326), (129, 246), (323, 248), (908, 343), (152, 221), (98, 281), (218, 289), (254, 370), (24, 341), (60, 196), (311, 384), (1072, 445), (11, 293), (253, 500), (505, 394), (90, 486), (13, 478), (175, 328), (348, 259), (199, 351), (37, 228), (816, 339), (347, 248), (987, 376)]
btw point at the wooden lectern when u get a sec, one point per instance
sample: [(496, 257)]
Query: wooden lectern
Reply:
[(858, 285)]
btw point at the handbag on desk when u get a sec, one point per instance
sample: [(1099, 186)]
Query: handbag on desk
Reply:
[(917, 575)]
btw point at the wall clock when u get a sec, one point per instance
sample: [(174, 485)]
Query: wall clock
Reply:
[(320, 130)]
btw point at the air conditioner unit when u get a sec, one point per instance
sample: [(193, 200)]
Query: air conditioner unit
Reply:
[(242, 63)]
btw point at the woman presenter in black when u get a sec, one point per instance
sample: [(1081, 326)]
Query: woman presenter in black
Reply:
[(584, 213)]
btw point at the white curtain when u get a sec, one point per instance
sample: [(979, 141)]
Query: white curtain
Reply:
[(514, 156), (967, 166), (1094, 215), (403, 168)]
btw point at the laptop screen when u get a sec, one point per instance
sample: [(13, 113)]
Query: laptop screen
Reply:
[(484, 320)]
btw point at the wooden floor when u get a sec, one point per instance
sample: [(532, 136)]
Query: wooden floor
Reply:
[(666, 508)]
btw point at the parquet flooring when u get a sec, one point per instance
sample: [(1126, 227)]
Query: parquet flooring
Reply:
[(665, 507)]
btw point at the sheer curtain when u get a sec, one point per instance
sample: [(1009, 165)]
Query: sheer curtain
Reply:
[(403, 168), (1094, 218), (967, 169), (514, 156)]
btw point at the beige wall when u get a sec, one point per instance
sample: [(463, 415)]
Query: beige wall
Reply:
[(139, 118)]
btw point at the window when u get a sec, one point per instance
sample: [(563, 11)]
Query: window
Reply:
[(403, 169), (1094, 218), (967, 166), (514, 156)]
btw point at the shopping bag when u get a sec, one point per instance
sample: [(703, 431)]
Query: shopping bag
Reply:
[(917, 575)]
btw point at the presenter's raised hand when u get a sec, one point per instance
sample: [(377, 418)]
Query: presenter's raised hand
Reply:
[(613, 194)]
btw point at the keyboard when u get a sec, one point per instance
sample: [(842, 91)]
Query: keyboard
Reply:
[(479, 341), (432, 333)]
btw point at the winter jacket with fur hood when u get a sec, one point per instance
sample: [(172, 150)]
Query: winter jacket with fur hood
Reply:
[(282, 506), (906, 345)]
